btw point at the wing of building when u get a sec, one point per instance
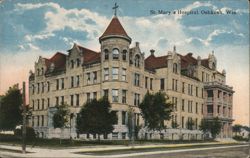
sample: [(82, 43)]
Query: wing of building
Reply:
[(121, 72)]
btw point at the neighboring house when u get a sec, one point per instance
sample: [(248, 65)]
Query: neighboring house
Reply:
[(122, 72)]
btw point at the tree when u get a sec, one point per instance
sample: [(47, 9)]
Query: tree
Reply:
[(155, 110), (10, 109), (30, 134), (61, 117), (237, 128), (213, 126), (96, 117)]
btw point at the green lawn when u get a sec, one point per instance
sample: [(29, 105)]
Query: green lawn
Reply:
[(55, 143)]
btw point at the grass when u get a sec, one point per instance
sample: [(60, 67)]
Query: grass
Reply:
[(55, 143), (149, 149)]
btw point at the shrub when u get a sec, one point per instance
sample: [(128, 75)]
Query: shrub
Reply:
[(30, 133)]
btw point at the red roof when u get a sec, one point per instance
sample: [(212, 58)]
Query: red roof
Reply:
[(59, 60), (153, 62), (89, 56), (187, 60), (114, 28)]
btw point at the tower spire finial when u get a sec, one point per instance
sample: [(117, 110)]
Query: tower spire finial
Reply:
[(115, 8)]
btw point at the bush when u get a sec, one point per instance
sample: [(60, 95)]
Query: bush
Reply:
[(30, 133), (240, 138)]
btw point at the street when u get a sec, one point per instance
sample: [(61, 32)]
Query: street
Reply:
[(238, 152)]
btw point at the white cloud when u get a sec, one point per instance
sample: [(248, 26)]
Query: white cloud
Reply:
[(41, 36)]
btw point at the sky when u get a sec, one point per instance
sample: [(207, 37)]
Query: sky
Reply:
[(33, 28)]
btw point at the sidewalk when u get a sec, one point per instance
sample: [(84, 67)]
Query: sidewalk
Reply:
[(70, 152)]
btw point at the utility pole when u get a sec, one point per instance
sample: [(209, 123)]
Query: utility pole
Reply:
[(24, 121)]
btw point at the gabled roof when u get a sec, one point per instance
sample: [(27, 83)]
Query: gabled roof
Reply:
[(59, 61), (153, 62), (187, 60), (89, 56), (115, 28)]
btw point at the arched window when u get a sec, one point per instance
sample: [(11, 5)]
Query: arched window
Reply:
[(124, 55), (175, 68), (106, 54), (115, 53), (213, 66), (137, 61)]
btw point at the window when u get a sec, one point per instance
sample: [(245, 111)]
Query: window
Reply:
[(88, 97), (115, 73), (123, 135), (202, 77), (115, 95), (115, 53), (210, 109), (48, 86), (183, 87), (136, 99), (137, 61), (123, 74), (137, 79), (175, 68), (72, 64), (33, 104), (42, 104), (38, 88), (182, 122), (77, 80), (106, 54), (106, 74), (124, 55), (162, 84), (146, 82), (95, 95), (38, 72), (62, 84), (183, 105), (42, 71), (88, 78), (48, 102), (38, 104), (202, 93), (72, 100), (38, 121), (123, 117), (42, 117), (77, 100), (72, 81), (151, 83), (57, 100), (106, 93), (78, 62), (33, 123), (196, 108), (196, 123), (62, 99), (115, 135), (57, 84), (42, 84), (95, 76), (124, 96), (174, 84), (196, 92), (202, 108), (33, 89)]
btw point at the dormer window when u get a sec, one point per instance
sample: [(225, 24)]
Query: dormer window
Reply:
[(213, 66), (78, 62), (124, 55), (137, 61), (106, 54), (115, 53), (175, 68)]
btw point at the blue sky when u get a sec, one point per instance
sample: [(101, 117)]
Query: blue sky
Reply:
[(30, 28)]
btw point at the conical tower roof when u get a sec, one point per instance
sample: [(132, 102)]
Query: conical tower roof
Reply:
[(115, 29)]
